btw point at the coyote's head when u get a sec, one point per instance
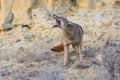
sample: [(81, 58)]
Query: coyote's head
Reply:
[(61, 22)]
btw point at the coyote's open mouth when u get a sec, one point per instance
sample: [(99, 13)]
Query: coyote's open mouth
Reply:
[(58, 23)]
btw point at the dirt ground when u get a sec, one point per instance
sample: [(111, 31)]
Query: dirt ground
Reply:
[(25, 53)]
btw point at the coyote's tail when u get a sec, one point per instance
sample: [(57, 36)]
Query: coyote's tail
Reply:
[(58, 48)]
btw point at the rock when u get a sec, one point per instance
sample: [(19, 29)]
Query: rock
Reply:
[(22, 11), (26, 27), (83, 3), (116, 22), (61, 10), (21, 60), (29, 36), (18, 40), (47, 4), (99, 5), (27, 11), (117, 4), (40, 16), (6, 16), (108, 3), (8, 22)]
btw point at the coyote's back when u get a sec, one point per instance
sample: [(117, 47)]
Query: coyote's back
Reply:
[(73, 34)]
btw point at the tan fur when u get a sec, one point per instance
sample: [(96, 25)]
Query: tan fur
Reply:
[(58, 48)]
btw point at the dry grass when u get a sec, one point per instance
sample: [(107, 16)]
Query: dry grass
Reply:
[(111, 60)]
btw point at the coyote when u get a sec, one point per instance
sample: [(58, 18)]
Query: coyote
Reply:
[(72, 35)]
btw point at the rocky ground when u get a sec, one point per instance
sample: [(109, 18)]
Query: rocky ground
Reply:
[(25, 51)]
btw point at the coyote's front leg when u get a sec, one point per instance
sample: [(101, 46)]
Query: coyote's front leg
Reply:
[(65, 57)]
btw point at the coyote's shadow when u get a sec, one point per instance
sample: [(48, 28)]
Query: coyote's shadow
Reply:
[(56, 58), (88, 58)]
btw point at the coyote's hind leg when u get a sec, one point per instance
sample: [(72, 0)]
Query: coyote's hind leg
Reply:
[(80, 53)]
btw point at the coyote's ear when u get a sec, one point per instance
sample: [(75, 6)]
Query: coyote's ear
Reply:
[(55, 16)]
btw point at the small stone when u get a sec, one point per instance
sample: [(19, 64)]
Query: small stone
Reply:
[(29, 36), (18, 40), (21, 60), (7, 25)]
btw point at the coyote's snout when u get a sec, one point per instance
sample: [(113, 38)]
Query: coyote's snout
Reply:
[(72, 35), (61, 21)]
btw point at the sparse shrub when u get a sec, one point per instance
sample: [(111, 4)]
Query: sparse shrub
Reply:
[(111, 61)]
